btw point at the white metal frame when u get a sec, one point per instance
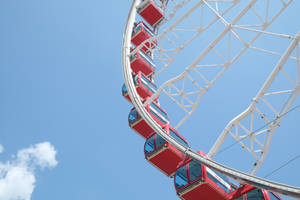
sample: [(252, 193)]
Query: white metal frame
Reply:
[(169, 87), (240, 131)]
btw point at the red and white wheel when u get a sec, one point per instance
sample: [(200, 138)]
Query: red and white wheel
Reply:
[(194, 45)]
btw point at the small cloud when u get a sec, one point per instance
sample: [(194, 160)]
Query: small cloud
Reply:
[(42, 154), (1, 148), (17, 179)]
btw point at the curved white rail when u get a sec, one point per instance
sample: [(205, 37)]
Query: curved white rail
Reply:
[(235, 174)]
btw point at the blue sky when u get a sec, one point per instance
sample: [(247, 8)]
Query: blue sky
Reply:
[(60, 82)]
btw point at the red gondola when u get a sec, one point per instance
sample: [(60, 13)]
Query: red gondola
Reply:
[(162, 154), (141, 62), (140, 33), (137, 123), (144, 87), (249, 192), (150, 12), (194, 181)]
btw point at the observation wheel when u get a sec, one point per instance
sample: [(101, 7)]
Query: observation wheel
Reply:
[(176, 51)]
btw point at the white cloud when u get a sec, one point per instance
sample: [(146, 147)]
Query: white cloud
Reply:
[(42, 154), (18, 183), (1, 148), (17, 179)]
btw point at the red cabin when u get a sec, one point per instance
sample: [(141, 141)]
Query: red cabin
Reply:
[(249, 192), (141, 62), (137, 123), (144, 87), (194, 181), (162, 154), (140, 33), (150, 12)]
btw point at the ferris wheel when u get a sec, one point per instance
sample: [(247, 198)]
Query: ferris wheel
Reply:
[(174, 52)]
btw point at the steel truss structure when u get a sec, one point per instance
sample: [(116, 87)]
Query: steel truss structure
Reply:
[(259, 108), (262, 109)]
